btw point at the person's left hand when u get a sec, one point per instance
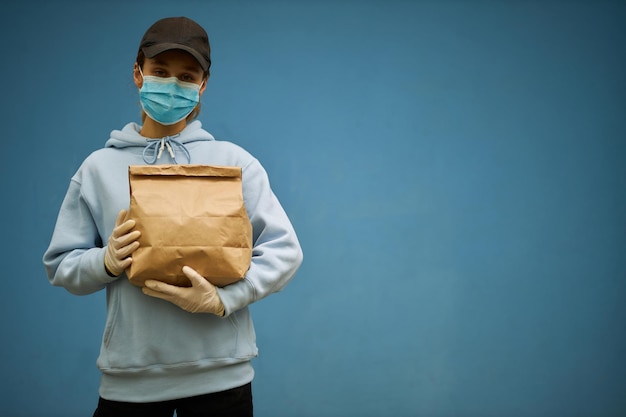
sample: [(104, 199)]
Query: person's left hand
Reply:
[(201, 297)]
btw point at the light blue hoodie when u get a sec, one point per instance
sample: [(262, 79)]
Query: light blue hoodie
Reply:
[(151, 349)]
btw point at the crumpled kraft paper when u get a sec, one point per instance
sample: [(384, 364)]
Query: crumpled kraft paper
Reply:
[(189, 215)]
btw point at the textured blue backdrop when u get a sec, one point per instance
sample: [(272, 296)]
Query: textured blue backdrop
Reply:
[(455, 171)]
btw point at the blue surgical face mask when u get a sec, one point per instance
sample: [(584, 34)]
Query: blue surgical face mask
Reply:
[(168, 100)]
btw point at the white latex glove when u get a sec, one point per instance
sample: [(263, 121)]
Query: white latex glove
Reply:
[(201, 297), (122, 243)]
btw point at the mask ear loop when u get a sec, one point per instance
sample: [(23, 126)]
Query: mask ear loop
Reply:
[(140, 71)]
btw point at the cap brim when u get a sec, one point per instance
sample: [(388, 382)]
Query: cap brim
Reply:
[(154, 50)]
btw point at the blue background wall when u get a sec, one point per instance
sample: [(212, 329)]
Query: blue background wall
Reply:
[(455, 171)]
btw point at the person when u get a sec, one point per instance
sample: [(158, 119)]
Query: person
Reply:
[(164, 348)]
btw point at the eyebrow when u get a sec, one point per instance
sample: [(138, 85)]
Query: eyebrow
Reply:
[(190, 68)]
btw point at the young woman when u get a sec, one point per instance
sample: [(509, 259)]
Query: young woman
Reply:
[(167, 348)]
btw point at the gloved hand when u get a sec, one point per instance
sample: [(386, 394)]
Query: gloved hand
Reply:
[(122, 243), (201, 297)]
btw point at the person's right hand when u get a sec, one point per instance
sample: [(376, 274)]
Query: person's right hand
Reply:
[(122, 243)]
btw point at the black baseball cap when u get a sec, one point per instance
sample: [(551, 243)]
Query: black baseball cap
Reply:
[(177, 33)]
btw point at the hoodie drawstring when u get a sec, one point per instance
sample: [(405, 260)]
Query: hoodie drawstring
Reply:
[(166, 142)]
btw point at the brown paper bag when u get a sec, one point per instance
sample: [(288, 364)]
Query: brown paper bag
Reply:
[(189, 215)]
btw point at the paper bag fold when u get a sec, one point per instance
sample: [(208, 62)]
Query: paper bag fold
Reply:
[(189, 215)]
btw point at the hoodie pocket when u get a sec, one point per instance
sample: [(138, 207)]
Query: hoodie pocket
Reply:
[(143, 332)]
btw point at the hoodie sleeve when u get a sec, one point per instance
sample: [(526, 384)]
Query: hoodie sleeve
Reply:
[(276, 252), (75, 257)]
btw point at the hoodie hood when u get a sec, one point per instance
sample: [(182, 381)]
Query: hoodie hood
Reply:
[(129, 136)]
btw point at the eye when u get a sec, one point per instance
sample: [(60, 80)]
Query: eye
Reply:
[(187, 77), (159, 72)]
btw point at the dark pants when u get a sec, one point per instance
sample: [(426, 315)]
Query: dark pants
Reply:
[(236, 402)]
